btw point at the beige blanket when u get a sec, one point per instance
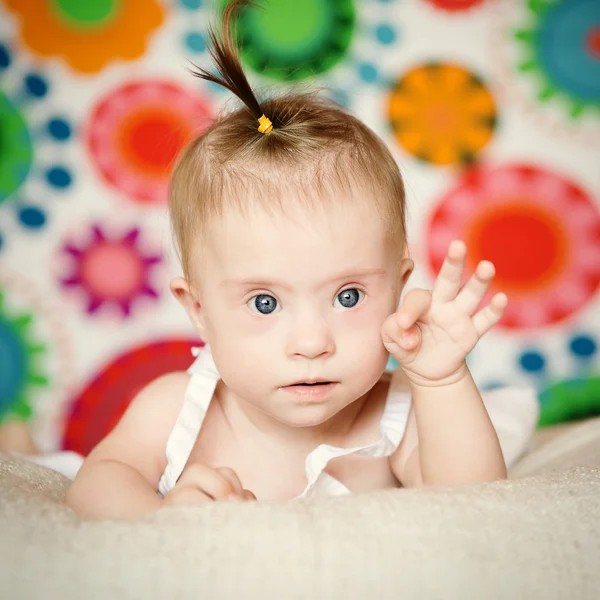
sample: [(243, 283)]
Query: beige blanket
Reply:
[(535, 537)]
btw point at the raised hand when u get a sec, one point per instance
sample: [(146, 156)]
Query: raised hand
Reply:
[(432, 332)]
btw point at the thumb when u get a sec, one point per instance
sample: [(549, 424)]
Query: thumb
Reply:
[(400, 342)]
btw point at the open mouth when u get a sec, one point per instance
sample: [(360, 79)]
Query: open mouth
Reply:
[(315, 383)]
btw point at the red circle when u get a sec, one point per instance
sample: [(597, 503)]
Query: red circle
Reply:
[(95, 411), (137, 130), (455, 5), (541, 230), (526, 247), (153, 138), (592, 41)]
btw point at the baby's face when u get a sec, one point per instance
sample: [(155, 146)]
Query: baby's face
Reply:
[(295, 299)]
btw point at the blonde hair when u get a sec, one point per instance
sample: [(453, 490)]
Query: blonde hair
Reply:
[(314, 150)]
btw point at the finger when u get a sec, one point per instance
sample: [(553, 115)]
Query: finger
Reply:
[(415, 305), (450, 276), (476, 288), (399, 331), (489, 315), (207, 480), (248, 495), (233, 479)]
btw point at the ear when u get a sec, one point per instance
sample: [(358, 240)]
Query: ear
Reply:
[(186, 296), (407, 266)]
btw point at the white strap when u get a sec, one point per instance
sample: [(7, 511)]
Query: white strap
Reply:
[(198, 395), (392, 428)]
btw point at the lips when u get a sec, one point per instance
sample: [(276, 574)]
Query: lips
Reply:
[(311, 390)]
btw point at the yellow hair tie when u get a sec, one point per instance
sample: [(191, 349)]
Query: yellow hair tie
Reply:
[(265, 125)]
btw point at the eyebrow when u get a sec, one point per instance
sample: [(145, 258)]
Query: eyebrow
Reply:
[(270, 283)]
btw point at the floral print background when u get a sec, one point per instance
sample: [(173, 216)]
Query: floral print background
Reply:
[(491, 108)]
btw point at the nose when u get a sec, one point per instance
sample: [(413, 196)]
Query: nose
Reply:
[(310, 338)]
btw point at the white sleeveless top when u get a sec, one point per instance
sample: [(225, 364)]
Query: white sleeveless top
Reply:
[(198, 396)]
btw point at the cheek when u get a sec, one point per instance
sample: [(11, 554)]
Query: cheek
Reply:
[(359, 333), (367, 320), (241, 345)]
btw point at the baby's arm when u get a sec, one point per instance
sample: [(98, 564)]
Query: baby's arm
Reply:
[(120, 476), (449, 438)]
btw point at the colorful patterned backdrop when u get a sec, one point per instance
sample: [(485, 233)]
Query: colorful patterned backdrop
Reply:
[(491, 108)]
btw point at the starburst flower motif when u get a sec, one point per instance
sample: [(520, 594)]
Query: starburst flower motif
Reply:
[(111, 271), (336, 44), (442, 113), (540, 230), (561, 50), (87, 35), (19, 363), (136, 131)]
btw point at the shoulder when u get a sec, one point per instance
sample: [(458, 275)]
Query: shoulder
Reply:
[(166, 387), (160, 399), (140, 437), (158, 404)]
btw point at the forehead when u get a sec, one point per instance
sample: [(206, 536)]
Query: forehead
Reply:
[(301, 244)]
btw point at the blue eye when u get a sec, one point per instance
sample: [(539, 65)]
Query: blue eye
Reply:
[(349, 298), (263, 304)]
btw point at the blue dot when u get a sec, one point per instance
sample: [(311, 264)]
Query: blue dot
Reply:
[(195, 42), (191, 4), (4, 57), (583, 346), (367, 72), (36, 85), (32, 217), (532, 361), (341, 97), (214, 87), (493, 385), (59, 129), (385, 34), (58, 177)]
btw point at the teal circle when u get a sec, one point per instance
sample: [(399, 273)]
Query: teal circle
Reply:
[(562, 52), (385, 34), (368, 72), (13, 365), (195, 42), (191, 4)]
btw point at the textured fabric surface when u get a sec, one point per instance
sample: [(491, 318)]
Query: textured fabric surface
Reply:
[(533, 537)]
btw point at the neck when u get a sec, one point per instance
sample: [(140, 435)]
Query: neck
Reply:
[(250, 423)]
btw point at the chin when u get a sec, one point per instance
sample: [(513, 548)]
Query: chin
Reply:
[(310, 415)]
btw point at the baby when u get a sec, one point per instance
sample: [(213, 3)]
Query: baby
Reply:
[(289, 216)]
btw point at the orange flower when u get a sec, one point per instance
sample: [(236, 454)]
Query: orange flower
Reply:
[(442, 114), (88, 35)]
